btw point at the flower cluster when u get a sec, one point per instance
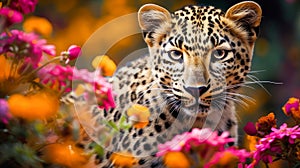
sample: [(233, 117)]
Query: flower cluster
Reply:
[(201, 148), (34, 123), (13, 10), (269, 143), (26, 47)]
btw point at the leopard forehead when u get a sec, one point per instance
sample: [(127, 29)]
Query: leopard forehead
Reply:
[(199, 28)]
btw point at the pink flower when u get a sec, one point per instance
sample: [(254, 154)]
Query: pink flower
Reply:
[(292, 106), (25, 46), (4, 112), (102, 89), (73, 52), (292, 133), (11, 16), (250, 129), (271, 145), (57, 77), (196, 137), (60, 77), (24, 6)]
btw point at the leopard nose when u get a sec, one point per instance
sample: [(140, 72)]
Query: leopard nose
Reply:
[(196, 91)]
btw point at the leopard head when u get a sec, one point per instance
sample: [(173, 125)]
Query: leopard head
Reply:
[(199, 54)]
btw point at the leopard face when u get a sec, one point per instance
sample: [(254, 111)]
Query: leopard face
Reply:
[(200, 55)]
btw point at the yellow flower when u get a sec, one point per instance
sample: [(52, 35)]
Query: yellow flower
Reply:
[(66, 154), (41, 105), (176, 160), (107, 66), (123, 159), (139, 115), (39, 25)]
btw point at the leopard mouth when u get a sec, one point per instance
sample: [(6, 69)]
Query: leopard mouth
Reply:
[(196, 109)]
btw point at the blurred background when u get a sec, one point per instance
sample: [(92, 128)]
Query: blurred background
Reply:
[(276, 56)]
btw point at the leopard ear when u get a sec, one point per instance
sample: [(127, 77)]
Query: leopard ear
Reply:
[(154, 21), (246, 14)]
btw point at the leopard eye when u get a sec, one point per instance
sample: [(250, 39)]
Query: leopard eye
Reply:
[(219, 54), (175, 55)]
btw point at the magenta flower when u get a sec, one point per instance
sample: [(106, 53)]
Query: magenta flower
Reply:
[(196, 137), (57, 77), (11, 16), (292, 106), (25, 46), (73, 52), (4, 111), (102, 89), (272, 144), (60, 77), (24, 6), (250, 129)]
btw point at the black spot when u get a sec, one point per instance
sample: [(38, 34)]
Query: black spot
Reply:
[(138, 152), (79, 145), (136, 145), (157, 128), (136, 75), (151, 134), (232, 44), (210, 31), (159, 139), (142, 161), (117, 116), (162, 116), (167, 125), (242, 62), (144, 82), (238, 56), (140, 132), (147, 147), (229, 124), (230, 143)]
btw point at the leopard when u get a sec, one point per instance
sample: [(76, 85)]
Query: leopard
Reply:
[(198, 58)]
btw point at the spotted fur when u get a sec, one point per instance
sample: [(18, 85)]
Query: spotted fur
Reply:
[(198, 57)]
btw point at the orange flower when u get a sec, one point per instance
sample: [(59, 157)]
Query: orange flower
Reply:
[(66, 154), (5, 68), (39, 25), (123, 159), (228, 160), (139, 115), (265, 123), (41, 105), (176, 160), (251, 142), (107, 66)]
